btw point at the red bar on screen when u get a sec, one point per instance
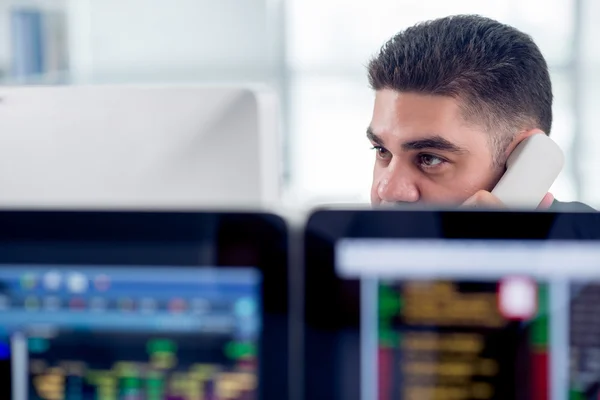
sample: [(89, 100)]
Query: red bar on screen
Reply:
[(539, 385), (386, 359)]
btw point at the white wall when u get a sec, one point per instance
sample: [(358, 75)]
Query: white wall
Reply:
[(589, 98), (125, 39)]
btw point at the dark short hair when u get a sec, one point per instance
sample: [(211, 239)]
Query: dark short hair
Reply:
[(497, 72)]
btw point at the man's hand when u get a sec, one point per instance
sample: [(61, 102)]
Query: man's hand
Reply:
[(485, 199)]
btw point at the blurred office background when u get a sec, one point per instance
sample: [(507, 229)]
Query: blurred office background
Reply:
[(313, 53)]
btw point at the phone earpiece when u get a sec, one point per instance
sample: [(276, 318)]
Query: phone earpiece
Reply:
[(531, 169)]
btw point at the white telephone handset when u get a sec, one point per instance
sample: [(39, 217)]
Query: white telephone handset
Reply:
[(531, 169)]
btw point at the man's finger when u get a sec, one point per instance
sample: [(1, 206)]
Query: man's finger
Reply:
[(546, 202), (483, 199)]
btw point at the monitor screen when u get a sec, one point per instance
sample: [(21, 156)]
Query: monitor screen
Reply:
[(81, 332), (456, 319), (449, 339)]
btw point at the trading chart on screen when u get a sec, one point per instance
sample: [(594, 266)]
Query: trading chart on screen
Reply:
[(131, 333), (462, 340)]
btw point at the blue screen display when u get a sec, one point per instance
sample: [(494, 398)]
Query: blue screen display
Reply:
[(129, 332)]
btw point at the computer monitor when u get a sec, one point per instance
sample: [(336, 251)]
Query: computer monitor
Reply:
[(451, 305), (138, 147), (160, 306)]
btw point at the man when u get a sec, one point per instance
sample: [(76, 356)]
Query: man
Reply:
[(454, 97)]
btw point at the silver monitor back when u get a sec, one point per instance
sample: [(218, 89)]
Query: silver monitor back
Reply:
[(138, 147)]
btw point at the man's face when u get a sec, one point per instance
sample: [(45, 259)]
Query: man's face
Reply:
[(426, 151)]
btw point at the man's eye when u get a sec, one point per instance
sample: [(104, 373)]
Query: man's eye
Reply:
[(430, 161), (381, 152)]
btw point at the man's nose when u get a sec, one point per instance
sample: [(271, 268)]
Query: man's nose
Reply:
[(398, 186)]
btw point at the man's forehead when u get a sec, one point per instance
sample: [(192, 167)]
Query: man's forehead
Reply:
[(400, 118), (391, 104)]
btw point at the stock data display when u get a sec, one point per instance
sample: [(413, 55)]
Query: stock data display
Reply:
[(584, 337), (114, 366), (455, 340), (132, 333)]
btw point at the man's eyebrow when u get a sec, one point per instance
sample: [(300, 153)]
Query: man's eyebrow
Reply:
[(373, 137), (433, 142)]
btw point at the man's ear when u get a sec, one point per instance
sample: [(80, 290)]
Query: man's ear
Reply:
[(519, 138)]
